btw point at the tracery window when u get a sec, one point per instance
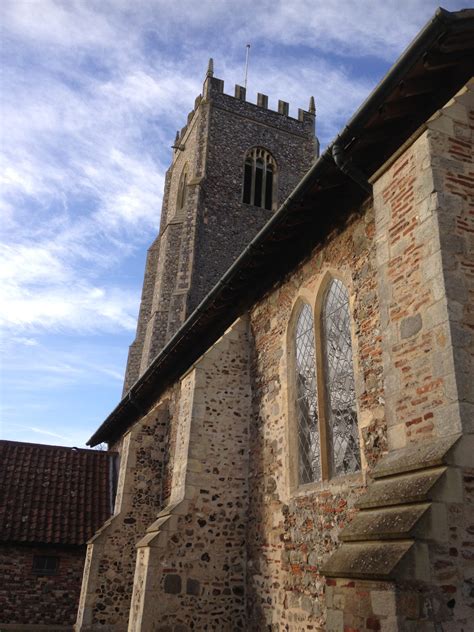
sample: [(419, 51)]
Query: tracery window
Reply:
[(309, 465), (341, 413), (182, 189), (325, 401), (259, 178)]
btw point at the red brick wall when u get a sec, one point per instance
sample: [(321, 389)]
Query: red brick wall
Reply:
[(423, 210), (33, 599)]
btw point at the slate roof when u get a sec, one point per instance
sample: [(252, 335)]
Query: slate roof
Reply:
[(51, 494)]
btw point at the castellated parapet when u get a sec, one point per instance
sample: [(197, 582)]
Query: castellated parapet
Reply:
[(204, 222)]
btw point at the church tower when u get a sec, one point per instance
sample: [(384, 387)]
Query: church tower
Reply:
[(233, 164)]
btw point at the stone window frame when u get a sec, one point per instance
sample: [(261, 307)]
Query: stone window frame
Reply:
[(251, 156), (314, 296)]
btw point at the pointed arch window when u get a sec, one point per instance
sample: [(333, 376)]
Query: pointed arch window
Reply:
[(309, 466), (324, 388), (259, 178), (340, 409), (182, 189)]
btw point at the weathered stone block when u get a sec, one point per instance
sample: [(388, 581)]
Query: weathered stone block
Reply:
[(386, 523), (415, 487), (193, 587), (410, 326), (416, 457), (172, 584)]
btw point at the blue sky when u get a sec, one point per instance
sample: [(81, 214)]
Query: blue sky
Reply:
[(93, 92)]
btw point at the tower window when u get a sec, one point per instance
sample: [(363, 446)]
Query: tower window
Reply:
[(259, 178), (183, 181)]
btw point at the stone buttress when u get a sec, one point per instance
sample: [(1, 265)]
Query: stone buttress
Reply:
[(191, 564), (407, 555)]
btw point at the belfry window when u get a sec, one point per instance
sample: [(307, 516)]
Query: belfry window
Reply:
[(182, 189), (259, 178), (324, 388)]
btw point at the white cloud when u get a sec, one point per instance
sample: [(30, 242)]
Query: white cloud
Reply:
[(92, 94), (52, 23), (356, 28), (77, 307)]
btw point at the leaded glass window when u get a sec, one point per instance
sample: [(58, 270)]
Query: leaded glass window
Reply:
[(307, 399), (259, 178), (341, 416)]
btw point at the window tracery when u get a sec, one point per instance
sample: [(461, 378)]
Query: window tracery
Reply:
[(259, 178), (324, 396), (307, 398), (341, 412)]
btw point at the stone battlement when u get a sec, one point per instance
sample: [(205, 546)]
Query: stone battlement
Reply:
[(213, 88)]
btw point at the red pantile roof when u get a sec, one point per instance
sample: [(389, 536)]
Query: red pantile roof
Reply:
[(51, 494)]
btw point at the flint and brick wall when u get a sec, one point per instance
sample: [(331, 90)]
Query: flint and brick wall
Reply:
[(424, 255), (48, 600), (451, 136), (110, 559), (190, 572), (292, 531), (423, 208)]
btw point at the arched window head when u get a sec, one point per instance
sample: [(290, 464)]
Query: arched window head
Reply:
[(341, 415), (259, 178), (182, 189), (309, 455)]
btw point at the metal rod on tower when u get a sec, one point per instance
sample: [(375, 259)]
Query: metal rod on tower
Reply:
[(246, 65)]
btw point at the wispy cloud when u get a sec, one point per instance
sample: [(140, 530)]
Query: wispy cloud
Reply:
[(92, 94), (46, 433)]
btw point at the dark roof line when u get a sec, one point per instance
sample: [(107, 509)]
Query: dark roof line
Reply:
[(425, 76)]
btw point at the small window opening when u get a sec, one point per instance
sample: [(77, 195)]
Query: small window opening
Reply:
[(45, 564), (182, 188)]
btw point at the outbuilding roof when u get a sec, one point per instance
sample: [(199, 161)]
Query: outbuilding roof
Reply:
[(431, 71), (51, 494)]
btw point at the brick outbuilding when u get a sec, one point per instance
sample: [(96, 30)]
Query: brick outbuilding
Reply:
[(52, 500)]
